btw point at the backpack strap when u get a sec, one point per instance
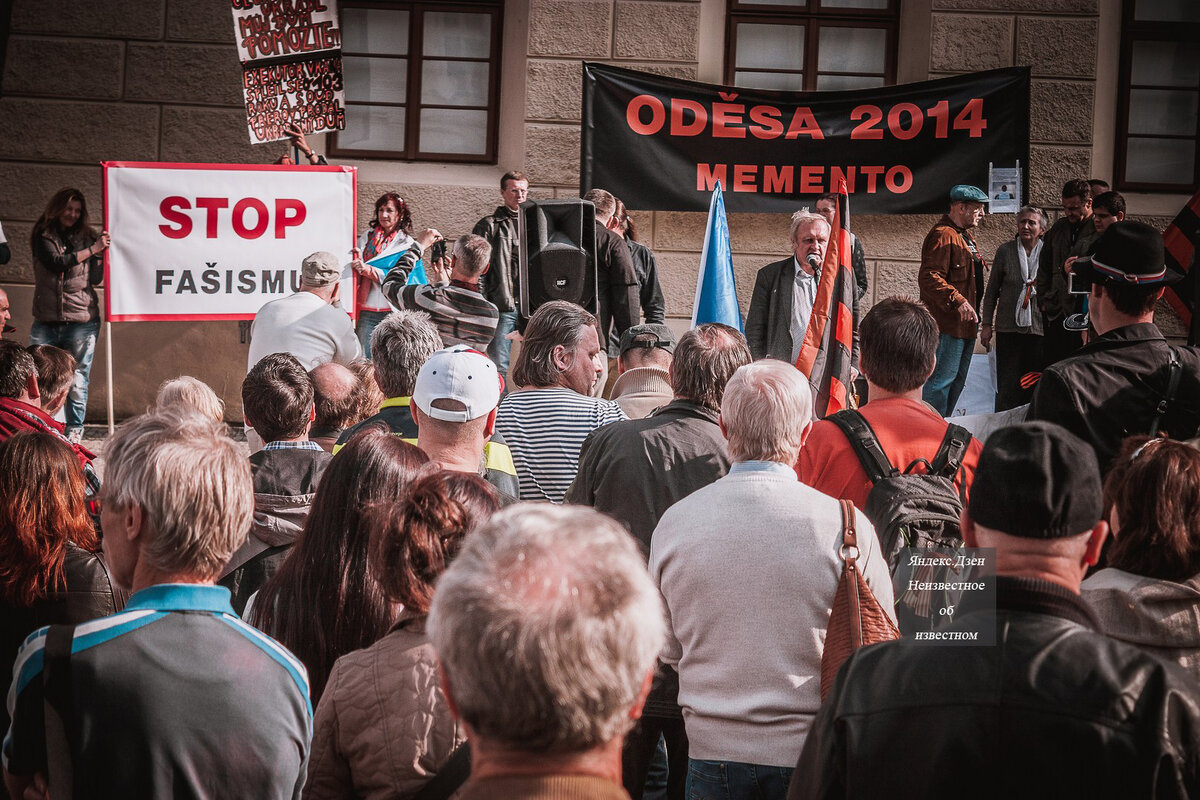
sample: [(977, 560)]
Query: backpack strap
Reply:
[(951, 452), (450, 777), (1176, 369), (865, 443), (57, 702)]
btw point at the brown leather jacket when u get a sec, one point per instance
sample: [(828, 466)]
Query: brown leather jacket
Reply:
[(382, 729), (947, 277)]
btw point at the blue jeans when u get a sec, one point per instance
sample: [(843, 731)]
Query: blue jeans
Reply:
[(949, 374), (368, 321), (78, 339), (501, 346), (733, 780)]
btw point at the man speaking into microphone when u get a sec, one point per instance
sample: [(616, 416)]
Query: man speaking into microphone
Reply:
[(785, 291)]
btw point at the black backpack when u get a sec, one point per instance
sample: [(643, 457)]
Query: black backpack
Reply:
[(907, 509)]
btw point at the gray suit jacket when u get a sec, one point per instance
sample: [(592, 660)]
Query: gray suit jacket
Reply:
[(770, 315)]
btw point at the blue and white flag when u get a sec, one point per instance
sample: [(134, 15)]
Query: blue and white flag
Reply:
[(716, 291), (388, 260)]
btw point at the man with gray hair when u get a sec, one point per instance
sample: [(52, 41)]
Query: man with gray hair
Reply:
[(748, 567), (452, 297), (400, 346), (545, 716), (308, 324), (785, 291), (175, 696), (634, 471)]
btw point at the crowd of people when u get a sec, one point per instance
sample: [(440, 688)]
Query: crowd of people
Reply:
[(474, 563)]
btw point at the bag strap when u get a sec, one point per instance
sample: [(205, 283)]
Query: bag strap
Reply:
[(448, 779), (1176, 369), (849, 553), (865, 443), (951, 452), (57, 701)]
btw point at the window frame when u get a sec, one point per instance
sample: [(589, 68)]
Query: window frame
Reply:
[(813, 17), (415, 57), (1133, 32)]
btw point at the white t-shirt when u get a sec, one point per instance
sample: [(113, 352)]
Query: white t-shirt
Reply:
[(305, 326)]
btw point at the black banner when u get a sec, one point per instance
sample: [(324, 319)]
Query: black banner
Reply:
[(661, 143)]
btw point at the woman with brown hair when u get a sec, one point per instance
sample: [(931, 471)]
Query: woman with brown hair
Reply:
[(383, 728), (390, 233), (51, 571), (66, 313), (324, 602), (1149, 593)]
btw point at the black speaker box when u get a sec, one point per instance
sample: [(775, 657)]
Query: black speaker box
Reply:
[(557, 254)]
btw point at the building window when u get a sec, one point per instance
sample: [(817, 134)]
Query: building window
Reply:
[(806, 45), (422, 80), (1159, 127)]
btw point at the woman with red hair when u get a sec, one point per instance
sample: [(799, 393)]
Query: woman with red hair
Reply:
[(51, 571), (390, 233)]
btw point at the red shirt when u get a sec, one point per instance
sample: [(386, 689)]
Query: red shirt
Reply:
[(906, 429)]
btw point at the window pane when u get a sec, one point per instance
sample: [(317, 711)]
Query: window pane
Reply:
[(771, 46), (454, 83), (373, 128), (1163, 111), (833, 83), (1167, 10), (448, 34), (851, 49), (378, 80), (879, 4), (445, 130), (1166, 64), (800, 3), (380, 31), (785, 81), (1160, 160)]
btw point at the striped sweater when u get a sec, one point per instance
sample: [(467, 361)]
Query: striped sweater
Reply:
[(545, 429), (459, 311)]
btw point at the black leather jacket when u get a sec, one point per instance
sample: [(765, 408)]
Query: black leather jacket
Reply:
[(1053, 710), (1111, 388), (499, 283)]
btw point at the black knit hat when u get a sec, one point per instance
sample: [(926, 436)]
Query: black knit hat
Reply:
[(1036, 480)]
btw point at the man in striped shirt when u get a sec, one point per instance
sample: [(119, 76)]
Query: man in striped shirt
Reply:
[(452, 299), (546, 420)]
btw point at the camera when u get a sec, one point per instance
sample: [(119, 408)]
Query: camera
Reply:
[(438, 251)]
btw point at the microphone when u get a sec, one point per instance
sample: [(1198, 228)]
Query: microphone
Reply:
[(814, 261)]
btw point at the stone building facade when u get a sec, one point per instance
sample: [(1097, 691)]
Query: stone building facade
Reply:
[(90, 80)]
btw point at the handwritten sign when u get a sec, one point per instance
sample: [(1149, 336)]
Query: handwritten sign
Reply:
[(291, 66)]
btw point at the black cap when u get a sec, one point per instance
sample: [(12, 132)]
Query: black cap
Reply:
[(663, 338), (1128, 252), (1036, 480)]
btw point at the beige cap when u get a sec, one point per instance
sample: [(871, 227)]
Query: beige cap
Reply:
[(320, 269)]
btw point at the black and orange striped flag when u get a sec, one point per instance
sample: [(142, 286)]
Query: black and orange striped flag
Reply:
[(1182, 238), (828, 342)]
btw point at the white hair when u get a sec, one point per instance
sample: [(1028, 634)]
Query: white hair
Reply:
[(193, 485), (547, 624), (186, 393), (766, 407), (806, 217)]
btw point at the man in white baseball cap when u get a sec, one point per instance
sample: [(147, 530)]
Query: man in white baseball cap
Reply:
[(454, 405)]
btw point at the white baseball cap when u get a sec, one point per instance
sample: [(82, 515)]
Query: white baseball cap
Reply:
[(459, 373)]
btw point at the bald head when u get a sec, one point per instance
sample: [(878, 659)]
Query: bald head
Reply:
[(335, 388)]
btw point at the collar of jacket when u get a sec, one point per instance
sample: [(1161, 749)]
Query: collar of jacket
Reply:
[(686, 408), (1125, 335), (640, 380), (950, 223), (504, 211), (1035, 596)]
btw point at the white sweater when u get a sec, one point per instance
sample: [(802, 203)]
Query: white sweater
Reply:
[(748, 567)]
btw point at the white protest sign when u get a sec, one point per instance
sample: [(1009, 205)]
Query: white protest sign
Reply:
[(291, 53), (217, 241)]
